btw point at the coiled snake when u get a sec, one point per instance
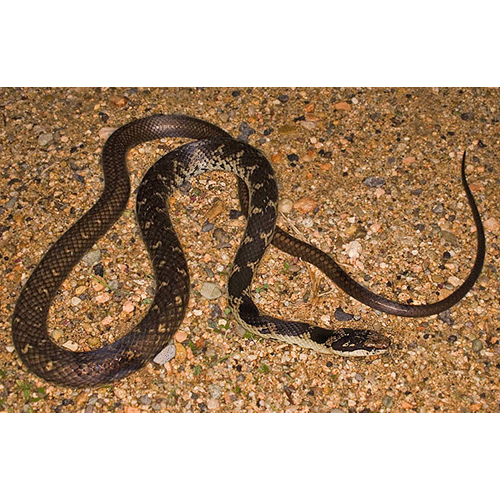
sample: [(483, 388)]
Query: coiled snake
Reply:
[(213, 149)]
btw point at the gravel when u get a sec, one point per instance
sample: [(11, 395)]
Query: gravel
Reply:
[(343, 137)]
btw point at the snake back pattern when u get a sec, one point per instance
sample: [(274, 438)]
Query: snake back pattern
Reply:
[(212, 149)]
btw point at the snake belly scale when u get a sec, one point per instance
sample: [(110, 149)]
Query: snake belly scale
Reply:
[(213, 149)]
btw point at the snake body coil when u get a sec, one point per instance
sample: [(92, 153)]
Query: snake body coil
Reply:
[(214, 149)]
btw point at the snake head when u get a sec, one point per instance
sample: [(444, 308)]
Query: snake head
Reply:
[(350, 342)]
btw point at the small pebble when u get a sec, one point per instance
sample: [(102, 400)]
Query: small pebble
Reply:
[(11, 203), (210, 291), (128, 307), (103, 298), (245, 132), (477, 345), (287, 129), (341, 315), (75, 301), (286, 206), (445, 317), (180, 336), (449, 237), (92, 257), (180, 352), (344, 106), (215, 391), (72, 346), (105, 132), (145, 400), (305, 205), (216, 209), (164, 356), (45, 139), (492, 224), (213, 404), (387, 401), (373, 182), (438, 208), (118, 101), (235, 214)]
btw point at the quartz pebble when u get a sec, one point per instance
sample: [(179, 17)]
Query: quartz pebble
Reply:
[(165, 355), (92, 257), (210, 291), (72, 346), (286, 206)]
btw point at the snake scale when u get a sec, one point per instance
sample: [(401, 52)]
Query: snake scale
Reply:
[(212, 149)]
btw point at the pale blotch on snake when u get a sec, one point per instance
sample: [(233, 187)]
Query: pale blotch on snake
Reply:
[(214, 149)]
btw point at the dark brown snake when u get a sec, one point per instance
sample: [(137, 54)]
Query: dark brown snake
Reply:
[(214, 149)]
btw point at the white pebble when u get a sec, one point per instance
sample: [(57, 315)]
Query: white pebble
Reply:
[(210, 291), (165, 355), (72, 346), (76, 301), (285, 206)]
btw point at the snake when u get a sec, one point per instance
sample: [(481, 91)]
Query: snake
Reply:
[(211, 149)]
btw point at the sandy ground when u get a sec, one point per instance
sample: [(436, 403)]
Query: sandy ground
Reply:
[(411, 237)]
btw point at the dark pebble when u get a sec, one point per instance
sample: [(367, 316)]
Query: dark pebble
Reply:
[(420, 227), (446, 318), (145, 400), (13, 181), (215, 311), (103, 116), (245, 132), (293, 157), (452, 338), (329, 364), (99, 270), (467, 116), (416, 192), (374, 182), (235, 214), (283, 98), (208, 226), (268, 131), (236, 93), (341, 315), (79, 178), (438, 208)]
